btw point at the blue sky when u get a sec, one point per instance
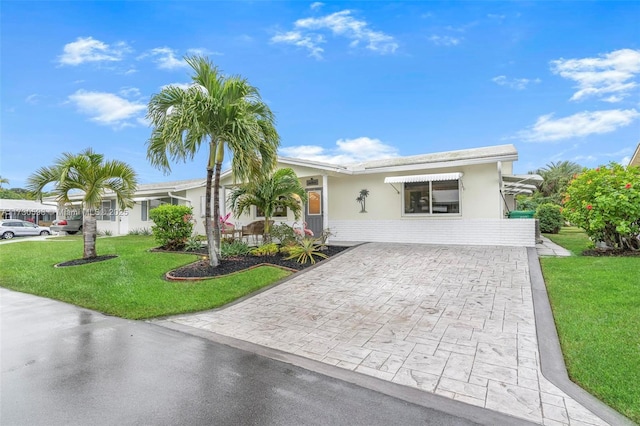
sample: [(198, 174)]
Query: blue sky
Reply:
[(348, 81)]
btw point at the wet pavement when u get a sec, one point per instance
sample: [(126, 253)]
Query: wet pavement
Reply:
[(64, 365), (458, 322)]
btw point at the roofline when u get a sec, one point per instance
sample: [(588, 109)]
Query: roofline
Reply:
[(635, 158), (439, 164)]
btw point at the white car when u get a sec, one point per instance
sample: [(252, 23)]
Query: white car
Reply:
[(10, 228)]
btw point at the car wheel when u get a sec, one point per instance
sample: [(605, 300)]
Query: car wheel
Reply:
[(72, 232), (45, 233), (7, 235)]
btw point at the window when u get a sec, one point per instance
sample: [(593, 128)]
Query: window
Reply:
[(107, 211), (436, 197), (146, 206), (279, 211)]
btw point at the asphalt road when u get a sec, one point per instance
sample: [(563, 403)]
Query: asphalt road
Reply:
[(65, 365)]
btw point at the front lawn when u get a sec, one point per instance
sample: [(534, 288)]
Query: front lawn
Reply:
[(596, 306), (129, 286)]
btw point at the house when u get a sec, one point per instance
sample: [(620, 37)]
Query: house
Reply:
[(455, 197), (29, 210), (635, 158)]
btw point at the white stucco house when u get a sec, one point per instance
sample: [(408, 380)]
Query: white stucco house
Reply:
[(454, 197), (33, 211)]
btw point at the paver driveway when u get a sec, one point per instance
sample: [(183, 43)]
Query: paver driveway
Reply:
[(456, 321)]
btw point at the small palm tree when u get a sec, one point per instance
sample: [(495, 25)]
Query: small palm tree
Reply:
[(556, 177), (3, 181), (225, 113), (89, 173), (280, 190)]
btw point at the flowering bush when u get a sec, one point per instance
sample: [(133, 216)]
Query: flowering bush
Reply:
[(173, 225), (605, 202)]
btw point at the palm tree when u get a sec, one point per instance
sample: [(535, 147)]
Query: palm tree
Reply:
[(556, 177), (362, 199), (89, 173), (280, 190), (223, 112), (3, 181)]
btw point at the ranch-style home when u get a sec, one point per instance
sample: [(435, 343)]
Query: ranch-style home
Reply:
[(454, 197)]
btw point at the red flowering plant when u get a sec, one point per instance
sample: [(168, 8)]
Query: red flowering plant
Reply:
[(605, 202)]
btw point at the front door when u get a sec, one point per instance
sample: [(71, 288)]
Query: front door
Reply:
[(313, 214)]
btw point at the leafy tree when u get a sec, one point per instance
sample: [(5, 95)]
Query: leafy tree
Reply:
[(3, 181), (89, 173), (280, 190), (173, 225), (222, 112), (556, 176), (605, 202)]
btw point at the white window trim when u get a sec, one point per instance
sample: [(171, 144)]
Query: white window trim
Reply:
[(431, 214)]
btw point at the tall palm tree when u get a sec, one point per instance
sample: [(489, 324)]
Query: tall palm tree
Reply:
[(89, 173), (280, 190), (3, 181), (556, 177), (226, 113)]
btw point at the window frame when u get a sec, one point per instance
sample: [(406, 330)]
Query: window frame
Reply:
[(431, 213)]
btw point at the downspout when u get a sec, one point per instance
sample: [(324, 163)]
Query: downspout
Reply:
[(325, 203)]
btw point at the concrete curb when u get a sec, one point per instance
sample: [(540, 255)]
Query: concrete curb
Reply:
[(551, 359), (473, 413)]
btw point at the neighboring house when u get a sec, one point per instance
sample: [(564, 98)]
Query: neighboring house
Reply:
[(635, 159), (455, 197), (29, 210)]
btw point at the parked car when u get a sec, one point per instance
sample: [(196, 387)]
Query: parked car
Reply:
[(10, 228), (71, 225)]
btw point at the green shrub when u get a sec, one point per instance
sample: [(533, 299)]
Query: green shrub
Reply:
[(605, 202), (233, 248), (550, 218), (306, 250), (140, 231), (193, 243), (270, 249), (173, 225), (283, 233)]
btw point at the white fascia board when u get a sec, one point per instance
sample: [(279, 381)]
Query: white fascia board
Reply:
[(438, 165)]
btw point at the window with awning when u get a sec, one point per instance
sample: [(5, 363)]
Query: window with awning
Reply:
[(429, 194)]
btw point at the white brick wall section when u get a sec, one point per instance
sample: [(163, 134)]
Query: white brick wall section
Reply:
[(492, 232)]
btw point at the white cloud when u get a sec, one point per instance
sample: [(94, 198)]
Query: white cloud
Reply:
[(514, 83), (445, 40), (578, 125), (33, 99), (201, 51), (316, 5), (165, 58), (348, 151), (107, 109), (609, 75), (342, 24), (88, 49)]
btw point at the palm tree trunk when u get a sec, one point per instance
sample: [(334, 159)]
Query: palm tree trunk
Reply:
[(216, 210), (89, 231), (209, 224)]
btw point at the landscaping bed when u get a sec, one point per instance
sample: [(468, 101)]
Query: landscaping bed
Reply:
[(201, 269)]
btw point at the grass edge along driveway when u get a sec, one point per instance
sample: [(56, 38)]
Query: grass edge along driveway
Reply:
[(596, 307), (130, 286)]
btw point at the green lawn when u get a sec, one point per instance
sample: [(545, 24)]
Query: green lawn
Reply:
[(596, 305), (129, 286)]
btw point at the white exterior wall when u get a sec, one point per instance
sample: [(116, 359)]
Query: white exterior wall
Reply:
[(499, 232)]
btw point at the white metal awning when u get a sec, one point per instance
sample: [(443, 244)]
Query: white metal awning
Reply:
[(423, 178), (520, 184)]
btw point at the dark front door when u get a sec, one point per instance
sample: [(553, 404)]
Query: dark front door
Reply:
[(313, 213)]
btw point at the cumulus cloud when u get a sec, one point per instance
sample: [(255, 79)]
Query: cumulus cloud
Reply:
[(165, 58), (307, 33), (316, 5), (609, 77), (347, 151), (107, 109), (88, 49), (514, 83), (548, 129), (445, 40)]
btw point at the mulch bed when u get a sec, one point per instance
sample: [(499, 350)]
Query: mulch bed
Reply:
[(78, 262), (611, 253), (201, 269)]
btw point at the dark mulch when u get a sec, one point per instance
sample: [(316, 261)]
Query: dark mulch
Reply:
[(227, 266), (611, 252), (77, 262)]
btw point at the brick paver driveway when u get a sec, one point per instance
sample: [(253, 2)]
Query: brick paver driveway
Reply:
[(456, 321)]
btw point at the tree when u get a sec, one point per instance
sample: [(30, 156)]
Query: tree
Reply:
[(280, 190), (3, 181), (605, 202), (89, 173), (556, 177), (223, 112)]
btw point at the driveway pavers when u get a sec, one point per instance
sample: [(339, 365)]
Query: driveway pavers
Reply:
[(455, 321)]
